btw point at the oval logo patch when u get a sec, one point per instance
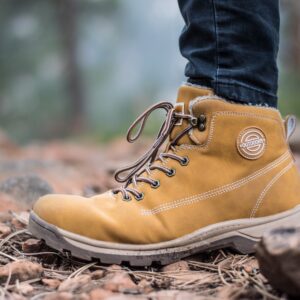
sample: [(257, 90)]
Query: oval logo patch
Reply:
[(251, 143)]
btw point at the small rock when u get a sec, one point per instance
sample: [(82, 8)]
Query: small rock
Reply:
[(26, 189), (17, 224), (278, 254), (16, 296), (22, 217), (25, 288), (66, 296), (20, 270), (98, 274), (99, 294), (145, 286), (119, 282), (74, 284), (5, 217), (32, 245), (114, 268), (51, 283), (8, 203), (251, 266), (226, 292), (181, 265), (4, 230), (59, 296), (174, 295), (93, 190)]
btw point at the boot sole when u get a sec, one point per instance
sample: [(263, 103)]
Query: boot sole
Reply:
[(240, 235)]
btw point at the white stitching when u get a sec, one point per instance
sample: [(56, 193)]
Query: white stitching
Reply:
[(213, 121), (216, 191), (267, 188)]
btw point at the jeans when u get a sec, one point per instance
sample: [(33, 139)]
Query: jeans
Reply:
[(232, 47)]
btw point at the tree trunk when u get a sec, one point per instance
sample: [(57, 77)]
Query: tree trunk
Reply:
[(67, 18)]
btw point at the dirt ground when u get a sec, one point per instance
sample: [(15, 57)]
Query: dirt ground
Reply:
[(31, 270)]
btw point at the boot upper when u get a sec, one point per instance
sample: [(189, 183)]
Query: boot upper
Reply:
[(233, 163)]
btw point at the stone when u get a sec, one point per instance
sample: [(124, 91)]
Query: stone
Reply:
[(16, 296), (51, 283), (278, 254), (4, 230), (99, 294), (66, 296), (26, 189), (114, 268), (5, 217), (181, 265), (20, 270), (119, 282), (74, 284), (25, 288), (32, 245), (174, 295), (59, 296), (98, 274), (251, 266), (145, 286)]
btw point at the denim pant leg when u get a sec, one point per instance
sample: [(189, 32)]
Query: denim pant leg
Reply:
[(232, 46)]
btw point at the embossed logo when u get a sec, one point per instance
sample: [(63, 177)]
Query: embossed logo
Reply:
[(251, 143)]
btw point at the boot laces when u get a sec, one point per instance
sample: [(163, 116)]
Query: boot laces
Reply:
[(132, 174)]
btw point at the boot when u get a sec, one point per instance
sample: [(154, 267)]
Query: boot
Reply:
[(225, 176)]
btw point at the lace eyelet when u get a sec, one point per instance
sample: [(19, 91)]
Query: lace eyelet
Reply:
[(171, 172), (126, 198), (139, 197), (155, 184), (185, 161)]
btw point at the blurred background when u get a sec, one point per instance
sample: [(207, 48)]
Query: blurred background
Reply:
[(87, 68)]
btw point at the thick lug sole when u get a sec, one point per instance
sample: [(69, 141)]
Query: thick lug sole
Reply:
[(240, 235)]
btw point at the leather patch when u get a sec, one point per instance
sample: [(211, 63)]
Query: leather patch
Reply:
[(251, 143)]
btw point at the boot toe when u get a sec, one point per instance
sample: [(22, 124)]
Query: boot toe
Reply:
[(61, 210)]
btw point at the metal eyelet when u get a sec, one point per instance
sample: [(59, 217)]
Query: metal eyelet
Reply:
[(128, 198), (155, 184), (139, 197), (171, 172), (202, 118), (185, 161), (202, 122)]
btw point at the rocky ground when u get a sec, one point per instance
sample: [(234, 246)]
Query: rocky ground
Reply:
[(31, 270)]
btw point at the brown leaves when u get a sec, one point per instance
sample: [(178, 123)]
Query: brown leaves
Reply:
[(20, 270), (74, 284)]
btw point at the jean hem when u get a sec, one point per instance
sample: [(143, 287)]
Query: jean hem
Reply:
[(238, 92)]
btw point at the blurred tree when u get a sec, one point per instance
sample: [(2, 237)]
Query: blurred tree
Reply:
[(68, 19), (293, 30)]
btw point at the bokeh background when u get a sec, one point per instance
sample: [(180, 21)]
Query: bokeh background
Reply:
[(87, 68)]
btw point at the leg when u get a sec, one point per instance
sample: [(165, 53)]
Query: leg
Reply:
[(226, 174), (232, 47)]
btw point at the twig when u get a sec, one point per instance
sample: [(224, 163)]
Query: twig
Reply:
[(13, 235)]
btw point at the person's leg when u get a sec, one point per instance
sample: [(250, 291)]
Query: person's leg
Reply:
[(232, 47), (226, 174)]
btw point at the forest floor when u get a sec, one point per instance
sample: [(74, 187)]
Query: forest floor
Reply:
[(31, 270)]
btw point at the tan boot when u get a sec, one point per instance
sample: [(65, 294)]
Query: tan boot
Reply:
[(226, 176)]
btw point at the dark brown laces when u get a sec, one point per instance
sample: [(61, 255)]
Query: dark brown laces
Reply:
[(146, 162)]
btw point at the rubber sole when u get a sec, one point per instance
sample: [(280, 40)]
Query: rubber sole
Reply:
[(240, 235)]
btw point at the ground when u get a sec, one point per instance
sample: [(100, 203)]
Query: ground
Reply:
[(31, 270)]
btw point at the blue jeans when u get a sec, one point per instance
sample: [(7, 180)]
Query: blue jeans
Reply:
[(232, 46)]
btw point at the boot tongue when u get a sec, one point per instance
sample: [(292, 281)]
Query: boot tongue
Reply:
[(186, 94)]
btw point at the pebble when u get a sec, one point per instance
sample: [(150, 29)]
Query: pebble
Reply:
[(20, 270)]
